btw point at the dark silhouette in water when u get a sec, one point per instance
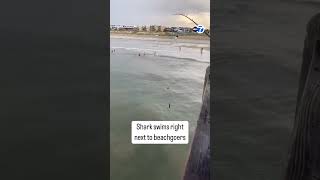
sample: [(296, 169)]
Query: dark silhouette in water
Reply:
[(169, 105)]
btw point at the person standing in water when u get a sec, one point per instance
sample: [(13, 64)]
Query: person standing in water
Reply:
[(201, 51)]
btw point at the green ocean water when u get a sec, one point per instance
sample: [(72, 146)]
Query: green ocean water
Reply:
[(141, 89)]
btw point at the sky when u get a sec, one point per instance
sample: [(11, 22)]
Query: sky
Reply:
[(159, 12)]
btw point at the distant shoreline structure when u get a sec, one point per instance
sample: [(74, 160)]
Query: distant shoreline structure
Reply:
[(153, 29), (161, 35)]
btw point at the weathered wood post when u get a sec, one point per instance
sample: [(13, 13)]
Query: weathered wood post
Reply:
[(304, 155), (198, 165)]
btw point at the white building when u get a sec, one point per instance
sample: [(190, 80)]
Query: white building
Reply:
[(124, 27)]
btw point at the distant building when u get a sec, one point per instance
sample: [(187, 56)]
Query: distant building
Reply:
[(153, 28), (129, 28), (185, 29), (175, 29), (148, 28), (168, 29), (124, 28), (178, 29), (143, 28), (140, 28), (115, 27), (160, 28)]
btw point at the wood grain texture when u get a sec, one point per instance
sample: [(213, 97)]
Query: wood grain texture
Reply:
[(304, 155), (198, 165)]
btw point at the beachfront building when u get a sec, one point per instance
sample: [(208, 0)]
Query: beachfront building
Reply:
[(115, 27), (129, 28), (160, 28), (185, 29), (142, 28), (178, 29), (175, 29), (153, 28), (124, 28), (167, 29)]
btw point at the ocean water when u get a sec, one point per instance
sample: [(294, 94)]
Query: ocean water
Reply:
[(141, 88)]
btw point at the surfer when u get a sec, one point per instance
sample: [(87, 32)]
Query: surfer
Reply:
[(169, 105), (201, 51)]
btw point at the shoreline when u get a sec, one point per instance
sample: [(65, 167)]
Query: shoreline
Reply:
[(159, 35)]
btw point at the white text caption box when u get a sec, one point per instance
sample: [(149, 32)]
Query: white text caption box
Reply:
[(159, 132)]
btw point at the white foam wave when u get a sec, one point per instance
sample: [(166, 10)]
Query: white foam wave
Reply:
[(183, 53)]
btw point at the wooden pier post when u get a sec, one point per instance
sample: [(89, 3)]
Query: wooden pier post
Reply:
[(304, 155), (198, 165)]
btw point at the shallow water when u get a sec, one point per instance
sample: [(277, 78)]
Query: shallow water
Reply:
[(167, 47), (141, 89)]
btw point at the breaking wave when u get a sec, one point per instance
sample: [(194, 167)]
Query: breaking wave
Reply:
[(185, 53)]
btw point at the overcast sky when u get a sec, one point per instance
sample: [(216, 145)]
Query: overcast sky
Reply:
[(159, 12)]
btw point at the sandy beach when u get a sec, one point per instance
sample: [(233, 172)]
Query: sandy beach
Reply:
[(186, 42)]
